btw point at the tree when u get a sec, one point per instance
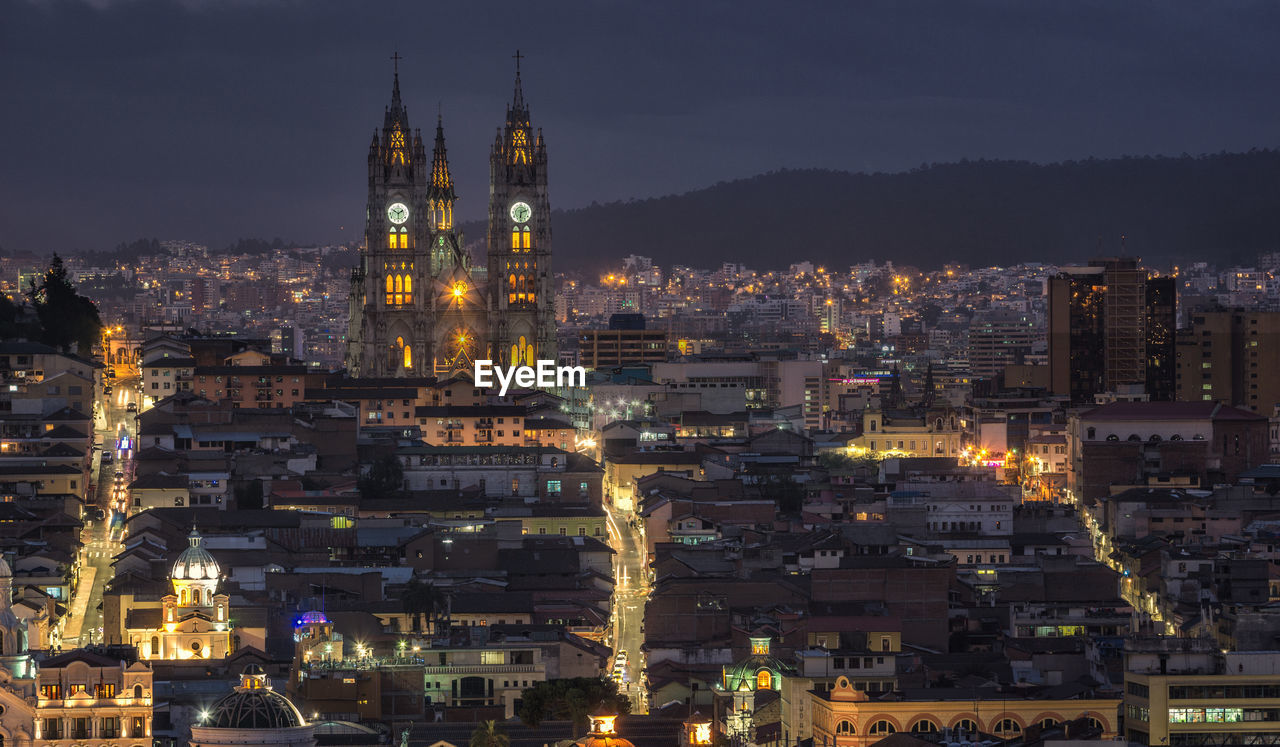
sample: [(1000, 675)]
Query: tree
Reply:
[(490, 734), (420, 599), (66, 317), (572, 699), (383, 480)]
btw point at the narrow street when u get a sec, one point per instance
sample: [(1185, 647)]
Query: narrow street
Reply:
[(630, 592), (83, 624)]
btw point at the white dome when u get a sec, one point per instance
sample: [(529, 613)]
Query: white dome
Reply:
[(195, 562)]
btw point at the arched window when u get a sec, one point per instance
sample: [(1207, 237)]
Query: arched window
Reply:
[(391, 287), (515, 238), (155, 647), (1175, 437), (408, 284), (764, 680), (182, 596), (220, 613), (208, 597), (408, 356), (1048, 723), (392, 242), (525, 237), (404, 239), (923, 726), (1113, 437), (1008, 726), (399, 283), (1096, 724), (845, 727), (1134, 437), (137, 689), (1155, 438), (882, 726), (967, 725), (511, 289)]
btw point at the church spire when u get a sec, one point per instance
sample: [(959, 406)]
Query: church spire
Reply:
[(396, 113), (517, 100), (440, 194)]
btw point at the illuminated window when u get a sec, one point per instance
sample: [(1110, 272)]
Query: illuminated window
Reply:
[(391, 239), (408, 289), (399, 283), (397, 145), (764, 680), (967, 725), (923, 726), (515, 238), (408, 356), (524, 241), (404, 239)]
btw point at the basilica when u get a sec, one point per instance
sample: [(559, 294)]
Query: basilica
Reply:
[(418, 307)]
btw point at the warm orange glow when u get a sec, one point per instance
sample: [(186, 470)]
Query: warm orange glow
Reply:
[(603, 724), (459, 290), (701, 734)]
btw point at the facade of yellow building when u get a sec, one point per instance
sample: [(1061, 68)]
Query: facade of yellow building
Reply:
[(847, 717)]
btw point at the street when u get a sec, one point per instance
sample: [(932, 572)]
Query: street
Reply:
[(630, 591), (84, 619)]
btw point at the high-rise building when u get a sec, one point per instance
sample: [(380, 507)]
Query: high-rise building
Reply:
[(625, 343), (999, 338), (1110, 325), (417, 306), (1230, 357)]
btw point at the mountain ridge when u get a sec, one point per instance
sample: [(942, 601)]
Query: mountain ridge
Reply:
[(979, 212)]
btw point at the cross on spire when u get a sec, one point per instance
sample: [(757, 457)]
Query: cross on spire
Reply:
[(395, 59), (517, 56)]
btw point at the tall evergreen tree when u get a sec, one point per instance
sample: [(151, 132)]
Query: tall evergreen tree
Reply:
[(67, 318)]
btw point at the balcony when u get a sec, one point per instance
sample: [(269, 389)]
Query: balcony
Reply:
[(484, 669)]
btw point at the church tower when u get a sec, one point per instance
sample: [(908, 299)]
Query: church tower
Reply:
[(389, 317), (522, 321)]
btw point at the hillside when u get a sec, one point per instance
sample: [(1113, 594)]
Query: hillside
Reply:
[(1223, 207)]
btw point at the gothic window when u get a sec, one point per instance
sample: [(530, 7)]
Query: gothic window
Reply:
[(391, 239), (520, 288), (520, 145), (524, 240), (408, 356), (515, 238), (404, 239), (391, 286), (397, 146), (408, 289), (399, 283)]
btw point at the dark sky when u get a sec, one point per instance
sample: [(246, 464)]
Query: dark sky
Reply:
[(211, 119)]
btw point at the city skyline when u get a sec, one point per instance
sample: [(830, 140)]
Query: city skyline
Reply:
[(210, 121)]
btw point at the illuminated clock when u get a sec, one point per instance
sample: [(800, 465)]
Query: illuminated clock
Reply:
[(520, 212), (397, 213)]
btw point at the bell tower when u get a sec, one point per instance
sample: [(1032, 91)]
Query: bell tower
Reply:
[(522, 322), (390, 326)]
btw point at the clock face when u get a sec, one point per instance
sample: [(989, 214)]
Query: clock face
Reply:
[(397, 213), (520, 212)]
